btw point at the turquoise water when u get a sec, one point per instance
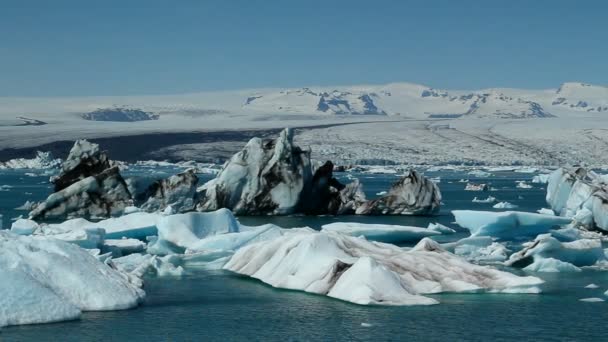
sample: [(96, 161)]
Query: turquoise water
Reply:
[(217, 306)]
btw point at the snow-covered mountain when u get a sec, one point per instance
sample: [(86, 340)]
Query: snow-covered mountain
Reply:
[(395, 99), (413, 100)]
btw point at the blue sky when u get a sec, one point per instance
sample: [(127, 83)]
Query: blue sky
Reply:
[(59, 48)]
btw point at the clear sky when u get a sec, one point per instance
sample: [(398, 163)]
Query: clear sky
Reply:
[(61, 47)]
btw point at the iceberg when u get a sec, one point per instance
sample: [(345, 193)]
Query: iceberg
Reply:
[(547, 254), (507, 224), (380, 232), (47, 280), (184, 230), (413, 194), (105, 194), (24, 227), (479, 174), (490, 199), (177, 191), (438, 227), (580, 194), (476, 187), (42, 161), (266, 177), (523, 185), (364, 272), (504, 205), (592, 300), (478, 249), (541, 179), (120, 247)]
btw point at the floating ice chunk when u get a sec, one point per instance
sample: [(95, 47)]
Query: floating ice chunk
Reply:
[(490, 199), (366, 325), (367, 282), (584, 252), (380, 232), (476, 187), (42, 161), (185, 230), (236, 240), (541, 179), (381, 193), (120, 247), (546, 211), (137, 225), (523, 185), (141, 264), (504, 205), (364, 272), (551, 265), (526, 170), (478, 249), (507, 224), (591, 286), (46, 280), (592, 300), (24, 227), (27, 206), (438, 227), (479, 174)]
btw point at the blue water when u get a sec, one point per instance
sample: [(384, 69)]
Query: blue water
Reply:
[(217, 306)]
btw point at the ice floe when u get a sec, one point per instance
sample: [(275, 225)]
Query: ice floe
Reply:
[(47, 280), (548, 254), (507, 224), (504, 205), (363, 272), (380, 232)]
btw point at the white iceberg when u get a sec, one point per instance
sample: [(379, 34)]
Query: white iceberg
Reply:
[(479, 174), (547, 254), (490, 199), (476, 187), (504, 205), (507, 224), (42, 161), (380, 232), (541, 179), (363, 272), (478, 249), (592, 300), (185, 230), (523, 185), (581, 194), (438, 227), (46, 280), (546, 211), (24, 227), (120, 247)]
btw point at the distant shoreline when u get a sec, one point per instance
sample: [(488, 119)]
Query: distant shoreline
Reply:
[(131, 148)]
